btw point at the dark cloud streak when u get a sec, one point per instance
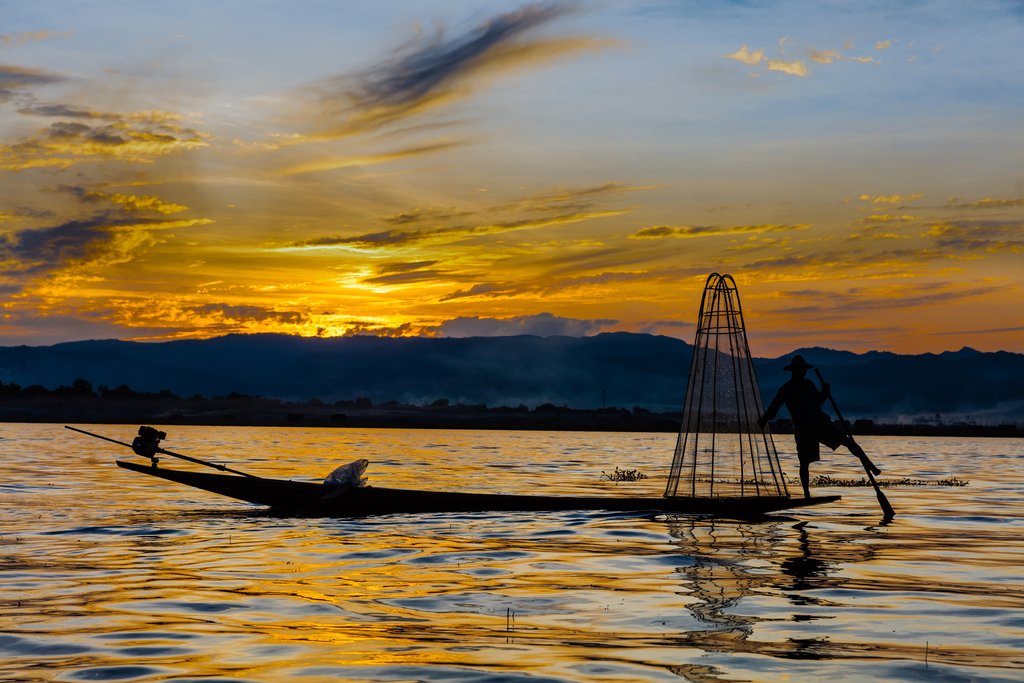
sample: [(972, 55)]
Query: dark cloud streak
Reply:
[(428, 71), (65, 111), (394, 238), (35, 250), (541, 325), (22, 77), (244, 313), (426, 68)]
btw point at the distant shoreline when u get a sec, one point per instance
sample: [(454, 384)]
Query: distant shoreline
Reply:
[(245, 411)]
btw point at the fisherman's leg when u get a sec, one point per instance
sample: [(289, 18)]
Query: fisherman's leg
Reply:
[(805, 478), (855, 448)]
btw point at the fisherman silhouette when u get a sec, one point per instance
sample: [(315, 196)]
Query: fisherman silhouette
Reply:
[(811, 426)]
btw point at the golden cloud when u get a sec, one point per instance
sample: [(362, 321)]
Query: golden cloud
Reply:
[(138, 203), (64, 144), (169, 316), (797, 68), (872, 298), (660, 231), (888, 218), (989, 203), (824, 56), (398, 238), (372, 159), (19, 39), (428, 72), (891, 198), (19, 77), (746, 56)]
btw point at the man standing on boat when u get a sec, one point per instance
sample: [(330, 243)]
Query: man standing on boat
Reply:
[(811, 426)]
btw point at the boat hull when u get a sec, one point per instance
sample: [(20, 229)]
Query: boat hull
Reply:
[(314, 499)]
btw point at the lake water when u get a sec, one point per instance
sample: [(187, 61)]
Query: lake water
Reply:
[(109, 575)]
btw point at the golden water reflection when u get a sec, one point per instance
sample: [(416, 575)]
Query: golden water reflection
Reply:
[(110, 576)]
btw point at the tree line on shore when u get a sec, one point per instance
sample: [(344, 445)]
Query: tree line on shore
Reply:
[(81, 401)]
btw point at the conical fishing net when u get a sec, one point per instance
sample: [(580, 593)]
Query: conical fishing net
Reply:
[(721, 450)]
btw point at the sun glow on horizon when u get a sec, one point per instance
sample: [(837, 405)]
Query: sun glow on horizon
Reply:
[(549, 168)]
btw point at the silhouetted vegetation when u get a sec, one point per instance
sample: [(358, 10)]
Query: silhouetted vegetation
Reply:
[(824, 480), (623, 475), (81, 402)]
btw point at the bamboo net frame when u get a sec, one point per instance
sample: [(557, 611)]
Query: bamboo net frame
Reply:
[(721, 451)]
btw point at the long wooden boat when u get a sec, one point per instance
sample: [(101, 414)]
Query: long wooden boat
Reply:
[(314, 499)]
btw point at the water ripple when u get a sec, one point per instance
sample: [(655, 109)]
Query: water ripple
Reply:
[(143, 580)]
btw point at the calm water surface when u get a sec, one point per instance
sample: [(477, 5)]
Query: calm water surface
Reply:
[(109, 575)]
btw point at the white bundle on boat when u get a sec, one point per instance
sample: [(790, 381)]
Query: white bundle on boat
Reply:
[(350, 475)]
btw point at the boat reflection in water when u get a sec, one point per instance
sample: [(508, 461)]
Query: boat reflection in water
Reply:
[(741, 572), (157, 582), (737, 568)]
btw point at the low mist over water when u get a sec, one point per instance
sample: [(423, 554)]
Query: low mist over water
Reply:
[(110, 575)]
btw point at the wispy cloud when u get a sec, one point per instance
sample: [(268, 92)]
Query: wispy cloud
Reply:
[(564, 279), (891, 198), (555, 207), (888, 218), (541, 325), (975, 235), (578, 198), (408, 272), (137, 137), (372, 159), (32, 251), (660, 231), (991, 330), (434, 70), (127, 202), (796, 68), (29, 251), (19, 39), (235, 314), (179, 316), (15, 79), (109, 236), (988, 203), (393, 238), (418, 215), (824, 56), (12, 76), (747, 56), (850, 303), (66, 111)]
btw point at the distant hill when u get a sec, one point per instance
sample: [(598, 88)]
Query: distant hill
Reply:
[(614, 369)]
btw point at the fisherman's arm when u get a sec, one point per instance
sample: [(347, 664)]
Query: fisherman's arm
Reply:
[(773, 407)]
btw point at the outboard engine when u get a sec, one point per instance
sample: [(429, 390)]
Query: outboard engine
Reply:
[(147, 443)]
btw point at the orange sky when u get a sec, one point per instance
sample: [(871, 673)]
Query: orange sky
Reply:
[(503, 168)]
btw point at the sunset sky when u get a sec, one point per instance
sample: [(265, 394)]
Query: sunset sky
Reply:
[(454, 168)]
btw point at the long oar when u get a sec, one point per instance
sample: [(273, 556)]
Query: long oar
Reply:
[(214, 465), (882, 500)]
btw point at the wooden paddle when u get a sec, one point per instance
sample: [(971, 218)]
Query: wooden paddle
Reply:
[(222, 468), (887, 510)]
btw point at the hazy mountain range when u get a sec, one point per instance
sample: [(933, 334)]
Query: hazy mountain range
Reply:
[(614, 369)]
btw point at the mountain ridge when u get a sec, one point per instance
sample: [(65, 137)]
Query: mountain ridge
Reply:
[(614, 369)]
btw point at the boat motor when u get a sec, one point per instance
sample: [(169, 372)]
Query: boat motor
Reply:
[(147, 443)]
